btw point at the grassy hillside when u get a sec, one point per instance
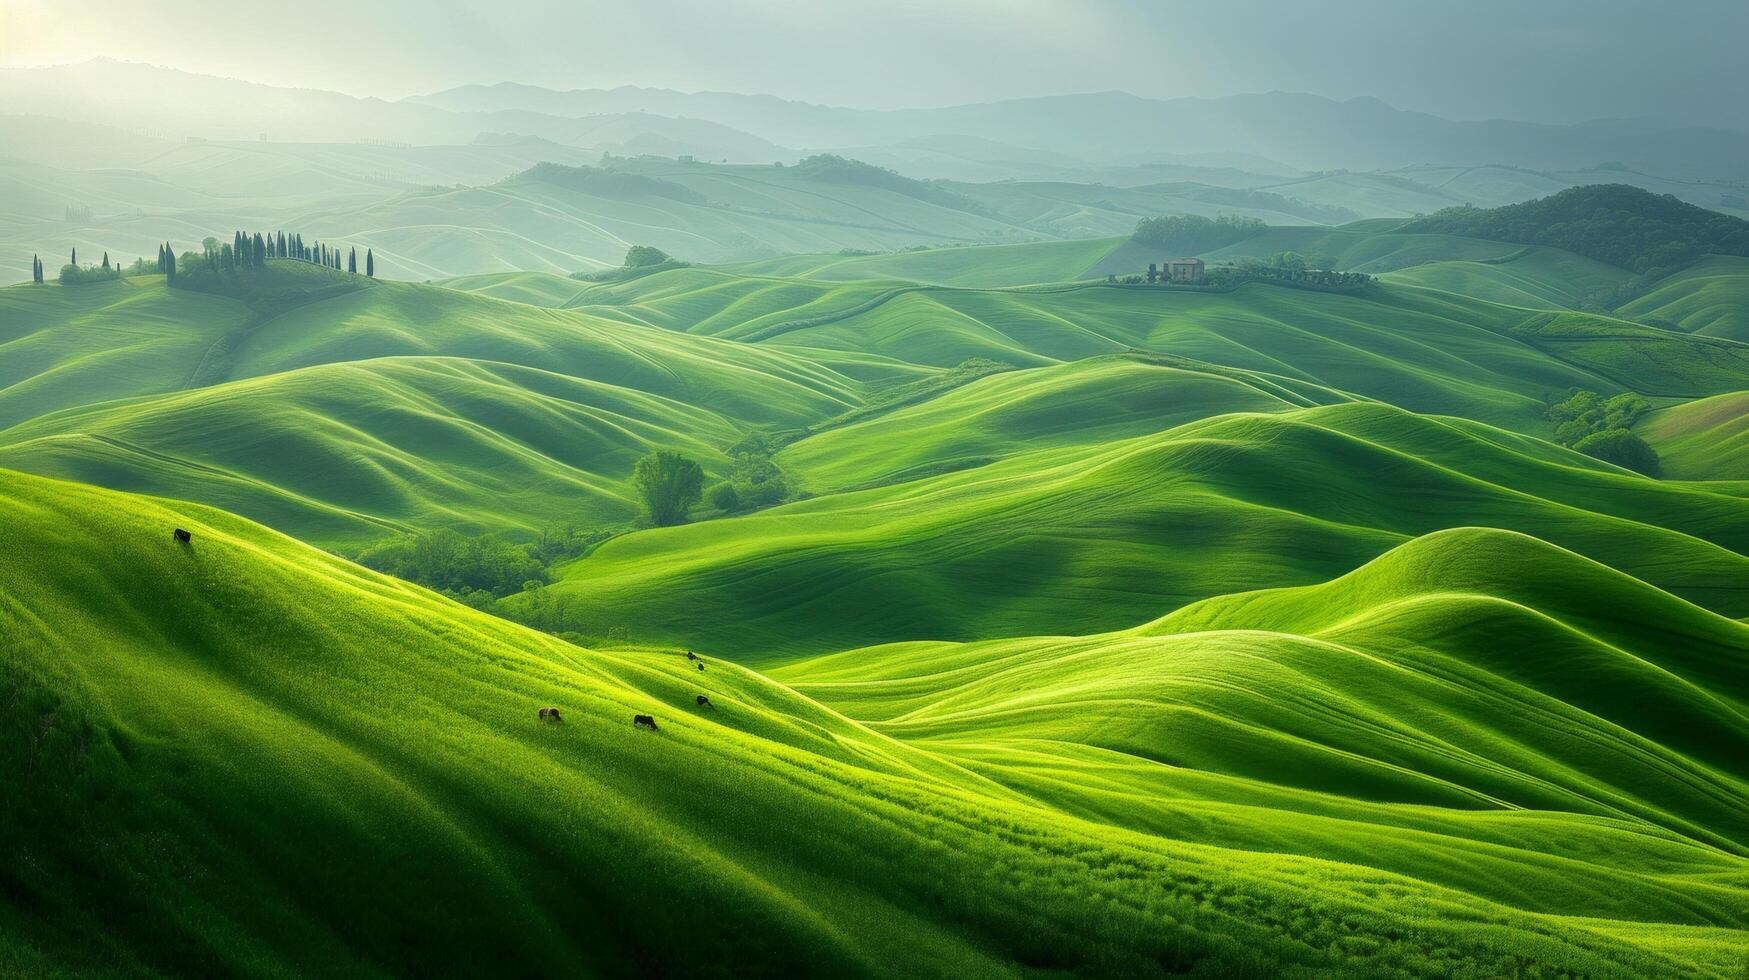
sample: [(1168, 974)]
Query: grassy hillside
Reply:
[(344, 453), (320, 710), (1399, 717), (397, 319), (1430, 352), (1710, 297), (65, 346), (1083, 403), (533, 288), (980, 268), (1538, 278), (1706, 439), (1083, 539)]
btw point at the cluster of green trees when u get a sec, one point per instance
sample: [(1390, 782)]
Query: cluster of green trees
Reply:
[(244, 250), (1289, 267), (640, 260), (670, 485), (1620, 224), (833, 169), (456, 565), (1602, 427), (251, 250), (1191, 234), (755, 481), (73, 274)]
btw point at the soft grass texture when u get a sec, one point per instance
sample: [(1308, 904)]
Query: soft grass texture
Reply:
[(1082, 539), (342, 454), (285, 764), (1705, 439), (1710, 297)]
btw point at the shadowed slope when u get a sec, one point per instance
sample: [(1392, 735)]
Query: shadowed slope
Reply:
[(1475, 707), (1081, 403), (1705, 439), (247, 752), (340, 453), (1710, 297), (1083, 539)]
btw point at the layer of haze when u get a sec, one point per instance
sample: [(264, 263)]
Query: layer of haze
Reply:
[(1553, 60)]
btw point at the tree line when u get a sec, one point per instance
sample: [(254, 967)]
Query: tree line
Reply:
[(244, 250), (1619, 224), (1192, 234)]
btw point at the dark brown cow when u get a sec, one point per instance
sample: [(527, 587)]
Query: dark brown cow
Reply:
[(705, 702), (701, 665), (550, 714), (182, 537), (691, 656), (644, 720)]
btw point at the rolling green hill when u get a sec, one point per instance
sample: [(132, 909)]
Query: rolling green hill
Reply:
[(1536, 277), (1399, 717), (1427, 351), (1084, 539), (1710, 297), (1108, 630), (1705, 439), (344, 453), (62, 347), (318, 710)]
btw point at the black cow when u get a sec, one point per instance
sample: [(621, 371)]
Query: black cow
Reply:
[(644, 720), (705, 702), (550, 714), (701, 665), (691, 656), (182, 537)]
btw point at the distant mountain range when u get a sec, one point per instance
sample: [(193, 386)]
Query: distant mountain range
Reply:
[(1069, 136), (1305, 131)]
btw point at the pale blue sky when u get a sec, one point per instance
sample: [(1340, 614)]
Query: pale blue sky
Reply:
[(1554, 60)]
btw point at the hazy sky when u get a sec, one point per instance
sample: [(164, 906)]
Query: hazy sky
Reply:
[(1554, 60)]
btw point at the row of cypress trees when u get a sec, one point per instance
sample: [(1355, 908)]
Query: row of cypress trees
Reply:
[(249, 250)]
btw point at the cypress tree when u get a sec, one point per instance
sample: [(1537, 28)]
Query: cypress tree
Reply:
[(370, 264), (75, 259), (352, 260), (106, 260)]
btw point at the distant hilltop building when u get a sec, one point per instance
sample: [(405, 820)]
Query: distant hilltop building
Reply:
[(1184, 270), (686, 158)]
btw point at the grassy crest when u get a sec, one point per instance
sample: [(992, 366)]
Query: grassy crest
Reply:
[(307, 707), (1084, 539), (1109, 631)]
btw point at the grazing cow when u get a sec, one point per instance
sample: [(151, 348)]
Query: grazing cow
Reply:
[(705, 702), (644, 720), (691, 656), (550, 714), (701, 665), (182, 536)]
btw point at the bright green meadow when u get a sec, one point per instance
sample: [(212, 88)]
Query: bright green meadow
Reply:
[(1085, 629)]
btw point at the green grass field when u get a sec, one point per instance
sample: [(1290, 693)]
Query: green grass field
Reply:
[(1109, 630), (1710, 297), (1705, 439), (308, 701)]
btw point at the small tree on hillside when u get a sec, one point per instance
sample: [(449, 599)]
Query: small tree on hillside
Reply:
[(639, 256), (370, 263), (670, 484), (1621, 447)]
